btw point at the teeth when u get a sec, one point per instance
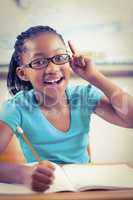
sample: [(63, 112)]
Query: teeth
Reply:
[(53, 81)]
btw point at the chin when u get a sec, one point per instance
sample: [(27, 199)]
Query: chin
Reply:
[(55, 90)]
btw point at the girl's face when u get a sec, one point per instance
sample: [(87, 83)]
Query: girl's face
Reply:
[(51, 80)]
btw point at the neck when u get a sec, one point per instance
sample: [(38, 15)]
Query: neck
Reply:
[(51, 103)]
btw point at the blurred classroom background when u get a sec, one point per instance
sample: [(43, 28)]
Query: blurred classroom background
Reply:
[(102, 29)]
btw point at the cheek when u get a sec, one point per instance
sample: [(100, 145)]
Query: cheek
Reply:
[(67, 70), (34, 76), (68, 74)]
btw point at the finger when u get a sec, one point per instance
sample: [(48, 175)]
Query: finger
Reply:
[(39, 187), (78, 61), (48, 164), (82, 60), (72, 48), (89, 61), (42, 178), (45, 171)]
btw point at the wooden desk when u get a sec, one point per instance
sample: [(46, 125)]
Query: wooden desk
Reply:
[(89, 195), (126, 194)]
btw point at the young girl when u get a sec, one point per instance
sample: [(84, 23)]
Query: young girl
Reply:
[(54, 117)]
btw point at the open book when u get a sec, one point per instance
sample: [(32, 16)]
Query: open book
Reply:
[(76, 177)]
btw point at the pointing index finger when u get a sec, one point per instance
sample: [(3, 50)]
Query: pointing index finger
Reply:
[(72, 48)]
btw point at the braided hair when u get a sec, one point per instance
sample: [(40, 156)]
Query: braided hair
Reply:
[(14, 83)]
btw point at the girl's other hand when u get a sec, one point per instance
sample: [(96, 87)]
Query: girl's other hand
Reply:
[(38, 177), (81, 65)]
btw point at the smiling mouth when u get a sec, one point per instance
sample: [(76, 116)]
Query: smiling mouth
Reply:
[(54, 81)]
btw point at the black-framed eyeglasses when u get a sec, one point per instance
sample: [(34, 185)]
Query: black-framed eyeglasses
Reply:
[(39, 63)]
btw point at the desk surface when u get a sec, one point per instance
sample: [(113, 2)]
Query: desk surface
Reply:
[(89, 195), (126, 194)]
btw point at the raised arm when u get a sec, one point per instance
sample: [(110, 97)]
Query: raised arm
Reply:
[(116, 106)]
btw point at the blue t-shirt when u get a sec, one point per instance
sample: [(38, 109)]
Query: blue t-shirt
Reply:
[(50, 143)]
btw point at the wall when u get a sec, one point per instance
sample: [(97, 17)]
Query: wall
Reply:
[(94, 25)]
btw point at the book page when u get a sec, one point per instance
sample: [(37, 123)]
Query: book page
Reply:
[(85, 177), (61, 182)]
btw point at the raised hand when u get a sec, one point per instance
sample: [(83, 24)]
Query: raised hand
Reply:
[(38, 177), (82, 66)]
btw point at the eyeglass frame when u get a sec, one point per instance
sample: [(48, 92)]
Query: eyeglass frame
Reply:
[(49, 59)]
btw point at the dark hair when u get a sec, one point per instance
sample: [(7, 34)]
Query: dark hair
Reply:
[(14, 83)]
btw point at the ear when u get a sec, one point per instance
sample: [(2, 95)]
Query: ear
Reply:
[(21, 73)]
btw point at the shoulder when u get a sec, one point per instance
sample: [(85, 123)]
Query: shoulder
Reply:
[(16, 101), (85, 96), (77, 89), (84, 90), (11, 111)]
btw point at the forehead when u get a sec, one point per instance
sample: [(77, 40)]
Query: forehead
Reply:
[(44, 43)]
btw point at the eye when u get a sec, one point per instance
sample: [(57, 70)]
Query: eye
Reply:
[(61, 58), (39, 62)]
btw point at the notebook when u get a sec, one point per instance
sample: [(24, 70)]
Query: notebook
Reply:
[(78, 177)]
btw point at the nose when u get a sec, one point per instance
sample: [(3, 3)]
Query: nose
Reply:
[(52, 68)]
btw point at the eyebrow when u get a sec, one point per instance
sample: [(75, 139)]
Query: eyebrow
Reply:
[(42, 54), (60, 49)]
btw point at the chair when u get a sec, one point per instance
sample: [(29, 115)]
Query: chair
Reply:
[(13, 153)]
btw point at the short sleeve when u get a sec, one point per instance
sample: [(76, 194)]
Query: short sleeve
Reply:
[(94, 95), (84, 98), (10, 115)]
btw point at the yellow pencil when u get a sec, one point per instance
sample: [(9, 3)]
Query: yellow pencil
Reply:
[(20, 130)]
